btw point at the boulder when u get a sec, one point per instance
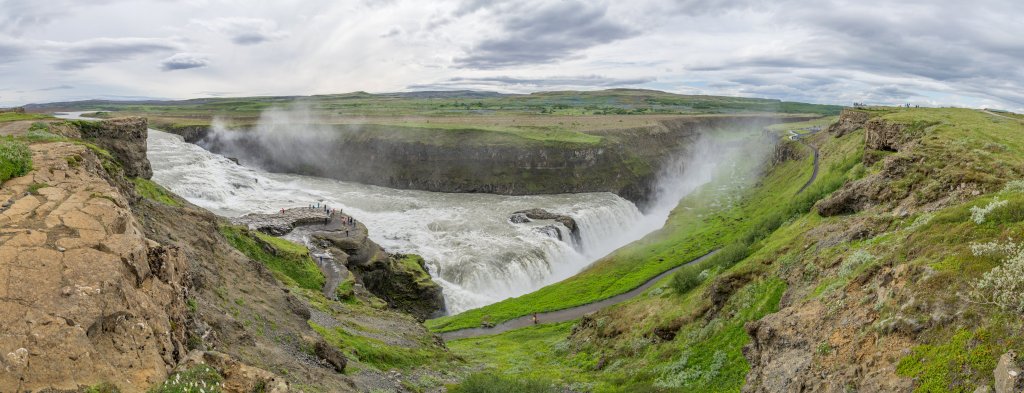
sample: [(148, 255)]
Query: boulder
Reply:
[(882, 135), (1008, 374), (519, 218), (281, 223), (403, 281), (541, 214), (400, 280), (331, 355)]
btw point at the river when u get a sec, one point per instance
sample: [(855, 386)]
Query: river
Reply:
[(472, 249)]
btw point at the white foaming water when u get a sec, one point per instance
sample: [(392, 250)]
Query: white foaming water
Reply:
[(471, 248)]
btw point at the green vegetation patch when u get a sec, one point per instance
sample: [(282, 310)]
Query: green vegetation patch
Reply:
[(375, 352), (494, 383), (712, 352), (105, 387), (15, 159), (199, 378), (16, 116), (532, 353), (290, 262), (150, 190), (959, 363), (35, 187)]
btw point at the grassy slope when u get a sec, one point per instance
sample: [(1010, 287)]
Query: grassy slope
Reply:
[(697, 226), (148, 189), (290, 262), (957, 355)]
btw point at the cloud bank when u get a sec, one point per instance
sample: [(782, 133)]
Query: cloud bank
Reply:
[(939, 52)]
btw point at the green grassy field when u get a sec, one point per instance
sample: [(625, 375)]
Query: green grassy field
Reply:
[(15, 116)]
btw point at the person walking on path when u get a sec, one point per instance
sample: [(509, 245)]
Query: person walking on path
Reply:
[(534, 318)]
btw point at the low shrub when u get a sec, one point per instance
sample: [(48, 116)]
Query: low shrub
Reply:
[(15, 159), (1003, 286), (979, 213), (105, 387), (687, 278), (201, 378)]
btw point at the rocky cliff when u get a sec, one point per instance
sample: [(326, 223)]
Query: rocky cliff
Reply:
[(105, 290), (627, 162), (125, 138), (86, 295)]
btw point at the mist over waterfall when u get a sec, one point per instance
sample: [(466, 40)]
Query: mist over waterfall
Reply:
[(471, 248)]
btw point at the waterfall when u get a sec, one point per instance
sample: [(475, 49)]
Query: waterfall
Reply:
[(471, 248)]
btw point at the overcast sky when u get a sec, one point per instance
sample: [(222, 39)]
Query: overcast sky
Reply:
[(939, 52)]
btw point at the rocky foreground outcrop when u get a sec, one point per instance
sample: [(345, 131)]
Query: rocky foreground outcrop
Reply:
[(84, 294), (400, 280), (100, 287)]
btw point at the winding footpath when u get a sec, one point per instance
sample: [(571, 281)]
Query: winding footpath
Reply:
[(567, 314), (1003, 116), (817, 156)]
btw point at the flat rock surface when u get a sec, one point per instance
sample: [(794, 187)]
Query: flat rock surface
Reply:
[(80, 295), (282, 222)]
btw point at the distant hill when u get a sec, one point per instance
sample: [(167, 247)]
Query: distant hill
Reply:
[(601, 102)]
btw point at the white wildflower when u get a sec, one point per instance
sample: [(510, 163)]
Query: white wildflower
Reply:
[(978, 213)]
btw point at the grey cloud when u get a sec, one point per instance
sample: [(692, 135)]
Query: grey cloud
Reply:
[(962, 48), (52, 88), (81, 54), (519, 83), (244, 31), (393, 32), (546, 34), (10, 52), (184, 61), (701, 7)]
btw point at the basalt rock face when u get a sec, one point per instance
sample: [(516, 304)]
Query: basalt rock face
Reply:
[(99, 285), (882, 138), (125, 138), (626, 163), (849, 121)]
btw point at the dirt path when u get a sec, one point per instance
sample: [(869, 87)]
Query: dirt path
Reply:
[(1003, 116), (15, 127), (567, 314), (817, 156)]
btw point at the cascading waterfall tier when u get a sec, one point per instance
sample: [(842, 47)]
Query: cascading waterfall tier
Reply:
[(472, 248), (473, 251)]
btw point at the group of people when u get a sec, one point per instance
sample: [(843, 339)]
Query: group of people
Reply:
[(345, 220)]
